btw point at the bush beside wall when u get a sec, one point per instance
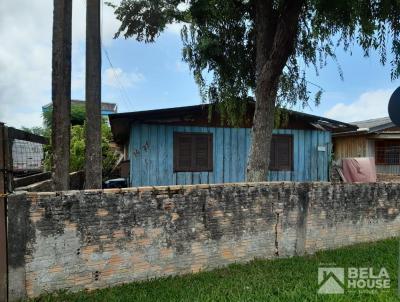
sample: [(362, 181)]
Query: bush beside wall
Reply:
[(92, 239)]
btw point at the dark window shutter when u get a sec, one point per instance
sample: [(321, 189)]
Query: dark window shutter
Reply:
[(202, 155), (281, 158), (272, 158), (380, 152), (193, 152), (210, 153), (183, 152)]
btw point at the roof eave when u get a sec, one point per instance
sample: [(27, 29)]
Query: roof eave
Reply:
[(127, 118), (349, 133)]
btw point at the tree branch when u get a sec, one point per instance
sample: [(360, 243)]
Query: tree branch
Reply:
[(284, 39), (266, 21)]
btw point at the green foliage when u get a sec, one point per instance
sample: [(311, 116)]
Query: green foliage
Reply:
[(110, 157), (78, 114), (43, 131), (280, 280), (77, 153), (77, 146), (219, 42)]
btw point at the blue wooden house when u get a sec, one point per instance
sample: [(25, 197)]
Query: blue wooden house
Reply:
[(185, 146)]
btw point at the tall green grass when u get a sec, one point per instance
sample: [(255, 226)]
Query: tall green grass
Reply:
[(293, 279)]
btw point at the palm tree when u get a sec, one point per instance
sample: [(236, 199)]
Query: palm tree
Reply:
[(93, 156), (61, 91)]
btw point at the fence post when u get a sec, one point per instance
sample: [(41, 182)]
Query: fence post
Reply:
[(4, 186), (8, 159)]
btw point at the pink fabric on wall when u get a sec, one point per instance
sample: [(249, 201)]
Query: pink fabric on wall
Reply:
[(359, 169)]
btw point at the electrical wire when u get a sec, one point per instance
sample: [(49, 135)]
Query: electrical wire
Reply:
[(120, 86)]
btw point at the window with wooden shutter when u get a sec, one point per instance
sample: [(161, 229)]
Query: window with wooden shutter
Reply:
[(281, 158), (193, 152)]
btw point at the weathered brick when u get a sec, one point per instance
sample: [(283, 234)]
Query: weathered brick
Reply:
[(92, 239)]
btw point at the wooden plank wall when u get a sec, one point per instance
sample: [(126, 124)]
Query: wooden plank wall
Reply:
[(151, 158), (350, 146)]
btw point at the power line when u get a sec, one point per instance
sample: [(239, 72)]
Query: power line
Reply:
[(123, 92), (121, 88)]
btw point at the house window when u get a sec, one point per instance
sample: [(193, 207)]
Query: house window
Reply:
[(387, 152), (281, 153), (193, 152)]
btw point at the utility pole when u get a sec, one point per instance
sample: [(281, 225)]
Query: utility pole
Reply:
[(93, 156), (61, 92)]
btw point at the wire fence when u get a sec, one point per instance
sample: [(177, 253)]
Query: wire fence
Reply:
[(28, 157), (27, 152), (388, 155)]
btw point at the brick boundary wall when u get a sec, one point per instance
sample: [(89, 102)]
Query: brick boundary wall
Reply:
[(79, 240)]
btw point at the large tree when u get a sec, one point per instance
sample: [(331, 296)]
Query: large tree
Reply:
[(61, 91), (238, 49), (93, 173)]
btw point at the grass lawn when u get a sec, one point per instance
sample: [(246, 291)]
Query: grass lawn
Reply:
[(293, 279)]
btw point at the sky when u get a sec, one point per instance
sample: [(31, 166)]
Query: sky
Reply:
[(139, 76)]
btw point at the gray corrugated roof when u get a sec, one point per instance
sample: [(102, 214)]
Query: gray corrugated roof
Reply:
[(374, 123)]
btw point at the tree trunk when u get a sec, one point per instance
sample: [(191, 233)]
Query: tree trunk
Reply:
[(276, 32), (93, 156), (263, 124), (61, 92)]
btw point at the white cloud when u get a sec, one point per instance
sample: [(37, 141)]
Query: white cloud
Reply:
[(25, 60), (175, 28), (115, 77), (25, 56), (109, 24), (370, 104)]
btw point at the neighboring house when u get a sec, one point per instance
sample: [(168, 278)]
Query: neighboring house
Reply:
[(182, 146), (106, 108), (378, 138)]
